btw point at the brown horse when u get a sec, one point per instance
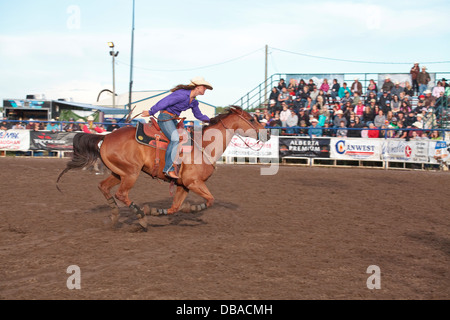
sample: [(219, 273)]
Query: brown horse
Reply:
[(126, 158)]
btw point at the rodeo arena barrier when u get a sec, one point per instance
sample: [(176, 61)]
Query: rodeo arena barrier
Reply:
[(384, 153)]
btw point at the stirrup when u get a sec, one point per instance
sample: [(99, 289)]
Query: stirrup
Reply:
[(171, 175)]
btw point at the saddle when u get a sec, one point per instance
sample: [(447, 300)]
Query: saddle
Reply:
[(150, 134)]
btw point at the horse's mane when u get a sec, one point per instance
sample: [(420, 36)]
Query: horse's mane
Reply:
[(222, 115)]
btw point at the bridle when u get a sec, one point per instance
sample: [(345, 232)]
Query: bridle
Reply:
[(251, 125)]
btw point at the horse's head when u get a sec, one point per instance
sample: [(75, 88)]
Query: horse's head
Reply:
[(245, 125)]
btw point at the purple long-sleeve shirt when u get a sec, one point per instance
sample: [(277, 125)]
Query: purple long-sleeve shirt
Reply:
[(178, 101)]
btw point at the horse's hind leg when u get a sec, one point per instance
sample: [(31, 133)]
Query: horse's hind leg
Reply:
[(126, 183), (200, 188), (105, 187)]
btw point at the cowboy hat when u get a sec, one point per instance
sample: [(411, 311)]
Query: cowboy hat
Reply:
[(200, 81), (90, 118)]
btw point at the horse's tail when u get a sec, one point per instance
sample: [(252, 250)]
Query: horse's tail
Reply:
[(85, 152)]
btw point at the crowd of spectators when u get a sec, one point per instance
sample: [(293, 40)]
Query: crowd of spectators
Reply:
[(334, 109), (56, 126)]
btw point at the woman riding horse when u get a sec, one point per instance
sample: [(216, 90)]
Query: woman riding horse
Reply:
[(183, 97)]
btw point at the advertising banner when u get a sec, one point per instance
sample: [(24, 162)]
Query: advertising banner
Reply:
[(18, 140), (355, 149), (44, 140), (304, 147), (249, 147), (439, 151), (406, 151)]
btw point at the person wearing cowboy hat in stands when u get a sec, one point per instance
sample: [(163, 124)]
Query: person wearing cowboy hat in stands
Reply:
[(182, 98)]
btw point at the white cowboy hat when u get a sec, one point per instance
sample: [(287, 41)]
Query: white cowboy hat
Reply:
[(200, 81), (313, 120), (90, 118)]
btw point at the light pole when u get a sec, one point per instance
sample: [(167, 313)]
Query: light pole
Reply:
[(114, 54)]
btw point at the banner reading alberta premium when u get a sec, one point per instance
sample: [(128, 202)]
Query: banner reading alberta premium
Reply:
[(42, 140), (304, 147), (405, 151), (18, 140), (355, 149), (249, 147)]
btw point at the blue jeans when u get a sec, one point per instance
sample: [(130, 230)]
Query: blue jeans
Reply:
[(169, 128), (422, 88)]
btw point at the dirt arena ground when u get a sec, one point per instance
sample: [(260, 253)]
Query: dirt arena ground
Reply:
[(305, 233)]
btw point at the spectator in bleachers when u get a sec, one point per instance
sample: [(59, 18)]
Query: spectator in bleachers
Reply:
[(430, 100), (386, 87), (72, 126), (356, 98), (400, 117), (379, 119), (395, 104), (368, 115), (303, 94), (409, 91), (346, 98), (315, 112), (18, 125), (308, 105), (281, 85), (372, 87), (336, 107), (438, 89), (359, 108), (302, 116), (291, 122), (365, 131), (325, 88), (441, 102), (401, 133), (353, 133), (311, 85), (114, 126), (420, 104), (372, 103), (429, 121), (342, 130), (52, 126), (300, 86), (344, 90), (314, 93), (258, 115), (373, 131), (348, 110), (292, 85), (369, 97), (389, 116), (356, 86), (315, 130), (5, 125), (382, 102), (334, 90), (274, 94), (423, 78), (410, 119), (339, 116), (397, 89), (284, 114), (303, 131), (435, 135), (405, 107), (414, 74), (283, 96), (444, 83)]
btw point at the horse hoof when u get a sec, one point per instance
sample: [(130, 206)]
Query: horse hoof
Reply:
[(154, 212), (114, 219), (143, 223), (186, 208)]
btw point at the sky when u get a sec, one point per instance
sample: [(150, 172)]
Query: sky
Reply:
[(59, 48)]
